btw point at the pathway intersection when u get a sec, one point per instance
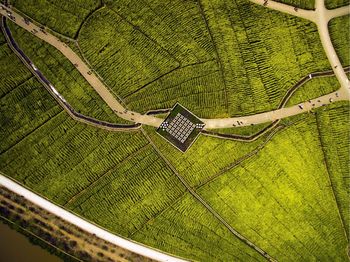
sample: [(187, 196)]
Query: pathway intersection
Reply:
[(320, 16)]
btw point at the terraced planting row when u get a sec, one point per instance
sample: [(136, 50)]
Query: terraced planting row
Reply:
[(206, 157), (15, 72), (305, 4), (281, 198), (198, 85), (314, 88), (124, 56), (264, 53), (63, 75), (177, 26), (333, 126), (186, 226), (331, 4), (340, 35), (65, 17), (116, 180)]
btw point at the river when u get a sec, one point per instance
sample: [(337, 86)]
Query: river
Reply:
[(15, 247)]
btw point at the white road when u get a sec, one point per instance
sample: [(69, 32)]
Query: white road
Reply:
[(85, 225)]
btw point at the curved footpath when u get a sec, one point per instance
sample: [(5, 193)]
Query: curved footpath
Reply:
[(320, 16), (52, 90), (84, 225)]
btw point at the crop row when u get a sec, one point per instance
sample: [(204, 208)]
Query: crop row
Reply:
[(330, 4), (281, 199), (123, 55), (130, 194), (334, 132), (206, 157), (199, 87), (186, 228), (64, 17), (314, 88), (177, 26), (305, 4), (63, 75), (263, 53), (13, 73), (340, 35)]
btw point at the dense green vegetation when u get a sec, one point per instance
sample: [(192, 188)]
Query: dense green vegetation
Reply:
[(114, 179), (63, 75), (65, 17), (194, 224), (242, 130), (330, 4), (340, 35), (314, 88), (233, 66), (284, 193), (205, 55), (281, 198), (206, 157), (333, 126), (305, 4)]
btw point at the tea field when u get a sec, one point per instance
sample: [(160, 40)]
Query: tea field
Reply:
[(229, 44), (64, 17), (287, 192), (340, 35), (63, 75), (331, 4), (284, 201)]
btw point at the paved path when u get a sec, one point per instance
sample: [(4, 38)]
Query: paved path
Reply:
[(85, 225), (52, 90), (320, 16), (84, 70)]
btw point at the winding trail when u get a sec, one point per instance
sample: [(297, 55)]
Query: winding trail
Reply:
[(320, 16), (58, 97)]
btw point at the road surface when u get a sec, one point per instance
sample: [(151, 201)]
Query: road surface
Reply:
[(85, 225)]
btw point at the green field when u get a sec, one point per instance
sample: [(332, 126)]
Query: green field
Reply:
[(219, 77), (76, 165), (330, 4), (217, 59), (287, 192), (64, 17), (63, 75), (314, 88), (305, 4), (282, 199), (333, 126), (340, 35)]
